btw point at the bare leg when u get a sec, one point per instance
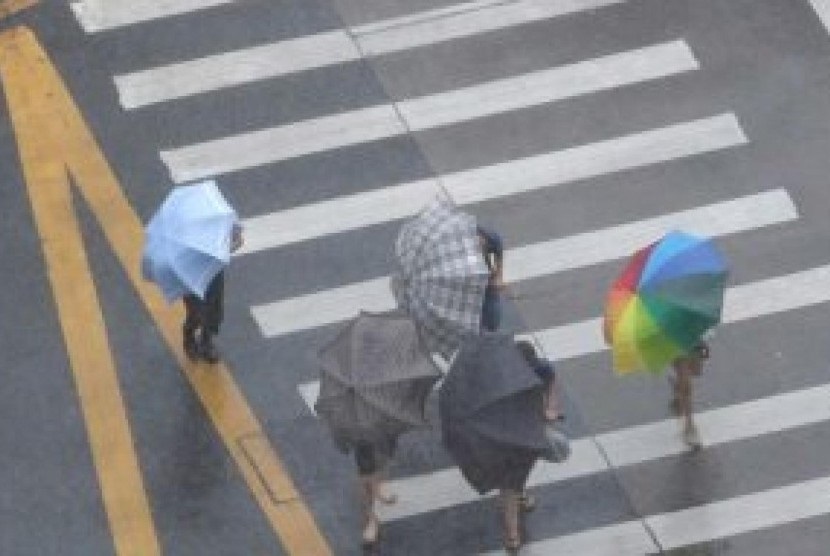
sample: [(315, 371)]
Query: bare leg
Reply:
[(510, 513), (552, 407), (683, 395), (367, 506)]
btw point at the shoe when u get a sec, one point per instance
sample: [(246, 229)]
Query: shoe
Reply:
[(513, 544), (387, 499), (191, 349), (527, 502), (692, 438), (208, 351), (674, 406), (371, 532)]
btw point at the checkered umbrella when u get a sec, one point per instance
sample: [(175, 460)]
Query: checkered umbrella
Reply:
[(441, 276)]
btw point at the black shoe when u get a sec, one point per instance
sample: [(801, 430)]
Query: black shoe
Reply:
[(191, 348), (208, 351)]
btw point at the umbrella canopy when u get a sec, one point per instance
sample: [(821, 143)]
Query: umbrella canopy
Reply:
[(187, 241), (667, 296), (491, 413), (441, 276), (375, 377)]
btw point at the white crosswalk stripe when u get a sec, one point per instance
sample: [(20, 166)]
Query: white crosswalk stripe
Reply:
[(102, 15), (697, 524), (533, 261), (672, 141), (498, 180), (265, 146), (210, 73)]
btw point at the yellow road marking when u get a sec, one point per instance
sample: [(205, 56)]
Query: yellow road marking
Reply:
[(79, 310), (41, 104), (11, 7)]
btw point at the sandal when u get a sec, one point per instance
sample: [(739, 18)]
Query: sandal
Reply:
[(527, 502), (387, 499), (512, 544), (370, 532)]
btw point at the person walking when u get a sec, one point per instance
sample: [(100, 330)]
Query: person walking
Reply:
[(203, 316), (492, 248), (686, 368)]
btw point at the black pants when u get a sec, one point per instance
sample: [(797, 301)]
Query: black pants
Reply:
[(371, 457), (206, 313)]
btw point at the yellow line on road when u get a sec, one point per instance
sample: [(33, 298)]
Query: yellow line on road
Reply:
[(11, 7), (77, 301), (41, 104)]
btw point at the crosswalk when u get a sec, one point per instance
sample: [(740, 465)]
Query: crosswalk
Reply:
[(707, 139)]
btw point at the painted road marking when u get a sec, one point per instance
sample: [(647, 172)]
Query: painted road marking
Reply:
[(822, 8), (536, 260), (102, 15), (396, 38), (256, 148), (11, 7), (266, 146), (32, 87), (624, 447), (210, 73), (629, 538), (551, 169), (54, 139), (697, 524), (229, 69), (548, 85), (764, 297)]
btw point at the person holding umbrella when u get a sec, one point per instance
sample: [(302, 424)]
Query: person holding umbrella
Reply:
[(375, 377), (492, 425), (188, 243), (666, 298)]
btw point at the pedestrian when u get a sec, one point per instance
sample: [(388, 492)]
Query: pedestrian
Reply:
[(204, 315), (686, 368), (545, 371), (492, 249)]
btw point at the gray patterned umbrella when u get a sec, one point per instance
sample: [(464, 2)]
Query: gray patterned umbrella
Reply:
[(441, 276), (375, 378), (491, 413)]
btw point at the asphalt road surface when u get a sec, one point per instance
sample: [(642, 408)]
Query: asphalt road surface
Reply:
[(581, 129)]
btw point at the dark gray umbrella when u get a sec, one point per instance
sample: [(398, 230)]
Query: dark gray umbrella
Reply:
[(491, 413), (375, 377)]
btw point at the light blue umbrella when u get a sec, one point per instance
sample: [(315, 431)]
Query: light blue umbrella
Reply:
[(188, 240)]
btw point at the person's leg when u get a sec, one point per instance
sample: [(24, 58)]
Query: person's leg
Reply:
[(213, 312), (491, 309), (553, 410), (190, 326), (683, 395), (510, 514), (368, 479)]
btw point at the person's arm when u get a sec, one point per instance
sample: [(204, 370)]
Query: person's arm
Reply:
[(494, 248)]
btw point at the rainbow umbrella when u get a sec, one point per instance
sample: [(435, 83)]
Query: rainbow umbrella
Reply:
[(667, 296)]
